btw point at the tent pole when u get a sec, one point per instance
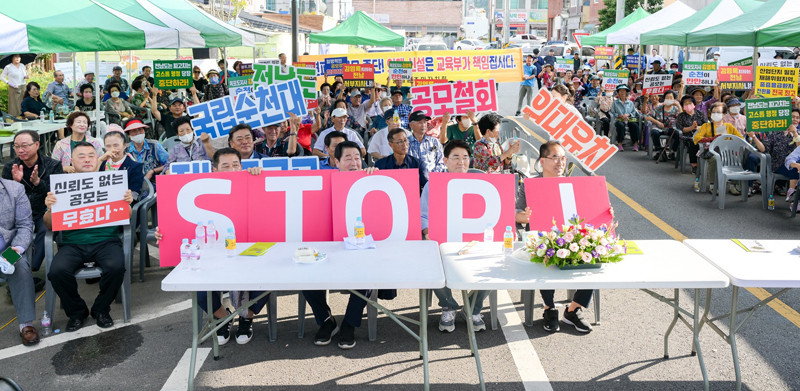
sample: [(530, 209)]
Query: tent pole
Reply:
[(225, 65), (130, 64), (74, 72), (98, 95), (755, 64)]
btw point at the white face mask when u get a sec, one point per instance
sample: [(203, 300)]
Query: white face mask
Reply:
[(735, 109), (385, 108), (669, 102), (115, 94), (187, 138), (716, 117), (384, 94), (138, 138), (465, 122)]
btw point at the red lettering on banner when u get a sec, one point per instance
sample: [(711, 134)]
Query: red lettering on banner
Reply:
[(91, 216), (590, 156)]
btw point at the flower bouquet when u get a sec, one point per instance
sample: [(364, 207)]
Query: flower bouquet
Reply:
[(575, 246)]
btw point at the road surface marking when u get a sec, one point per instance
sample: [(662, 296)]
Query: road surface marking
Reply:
[(179, 380), (525, 357)]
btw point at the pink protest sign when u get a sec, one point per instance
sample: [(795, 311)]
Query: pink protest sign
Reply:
[(185, 200), (567, 126), (560, 198), (461, 205), (290, 206), (387, 201), (454, 98)]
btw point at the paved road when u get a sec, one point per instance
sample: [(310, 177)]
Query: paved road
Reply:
[(623, 353)]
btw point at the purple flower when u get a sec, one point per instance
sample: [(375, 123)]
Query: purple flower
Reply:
[(542, 246), (560, 241), (550, 252), (588, 226), (609, 247), (595, 255), (604, 229), (541, 234)]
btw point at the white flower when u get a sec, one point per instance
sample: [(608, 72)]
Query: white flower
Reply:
[(574, 247), (569, 237), (602, 250), (586, 257), (551, 235), (619, 249), (603, 241), (584, 242), (540, 252), (562, 253)]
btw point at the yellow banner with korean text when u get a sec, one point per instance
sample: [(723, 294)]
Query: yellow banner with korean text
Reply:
[(502, 65)]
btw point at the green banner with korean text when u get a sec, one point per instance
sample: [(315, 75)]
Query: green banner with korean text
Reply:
[(174, 74), (769, 114)]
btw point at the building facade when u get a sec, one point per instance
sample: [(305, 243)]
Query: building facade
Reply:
[(566, 17), (525, 16), (417, 17)]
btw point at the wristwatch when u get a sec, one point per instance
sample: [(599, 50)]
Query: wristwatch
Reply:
[(293, 134)]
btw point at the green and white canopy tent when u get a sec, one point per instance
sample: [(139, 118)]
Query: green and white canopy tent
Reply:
[(775, 23), (666, 16), (359, 29), (107, 25), (599, 39), (715, 14)]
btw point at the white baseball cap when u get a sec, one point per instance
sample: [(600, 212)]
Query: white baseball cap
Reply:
[(340, 112)]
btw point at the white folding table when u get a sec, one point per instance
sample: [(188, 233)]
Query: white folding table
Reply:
[(777, 269), (41, 127), (664, 264), (392, 265)]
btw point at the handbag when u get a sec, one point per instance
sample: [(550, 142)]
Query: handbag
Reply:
[(707, 153)]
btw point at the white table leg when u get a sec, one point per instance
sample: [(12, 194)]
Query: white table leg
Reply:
[(696, 332), (472, 342), (423, 334), (195, 337), (732, 337)]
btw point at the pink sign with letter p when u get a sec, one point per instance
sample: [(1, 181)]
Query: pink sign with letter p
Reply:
[(560, 198)]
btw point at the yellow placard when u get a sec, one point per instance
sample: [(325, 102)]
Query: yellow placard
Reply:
[(632, 248), (774, 82), (502, 65)]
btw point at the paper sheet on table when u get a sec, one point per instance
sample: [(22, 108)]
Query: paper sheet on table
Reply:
[(632, 248), (750, 245), (350, 243)]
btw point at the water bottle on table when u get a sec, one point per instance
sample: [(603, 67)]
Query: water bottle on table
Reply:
[(52, 116), (200, 234), (359, 232), (41, 115), (47, 328), (508, 241), (186, 252), (230, 244), (194, 255), (488, 234), (211, 234)]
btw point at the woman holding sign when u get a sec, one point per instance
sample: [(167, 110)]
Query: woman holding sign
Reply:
[(553, 159)]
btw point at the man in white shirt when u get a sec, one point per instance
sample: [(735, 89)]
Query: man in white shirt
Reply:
[(379, 146), (339, 121), (654, 57)]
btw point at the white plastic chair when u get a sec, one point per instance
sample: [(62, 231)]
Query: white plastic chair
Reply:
[(728, 150)]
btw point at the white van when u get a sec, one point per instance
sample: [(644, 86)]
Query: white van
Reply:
[(735, 53)]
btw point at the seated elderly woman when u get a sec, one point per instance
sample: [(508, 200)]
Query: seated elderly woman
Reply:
[(191, 147), (663, 117), (781, 148), (712, 129), (117, 105)]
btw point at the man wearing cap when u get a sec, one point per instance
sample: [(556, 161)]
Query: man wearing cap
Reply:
[(88, 78), (339, 120), (358, 109), (274, 146), (624, 112), (176, 110), (526, 85), (379, 146), (402, 110), (594, 89), (398, 85), (423, 147), (657, 70), (117, 78), (150, 153)]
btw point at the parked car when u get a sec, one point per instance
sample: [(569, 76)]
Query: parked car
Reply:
[(380, 49), (470, 44), (563, 50), (432, 46), (526, 38)]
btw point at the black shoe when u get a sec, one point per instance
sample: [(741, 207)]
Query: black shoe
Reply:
[(244, 333), (38, 284), (104, 321), (517, 114), (224, 332), (90, 281), (575, 318), (551, 320), (347, 338), (75, 323), (328, 329)]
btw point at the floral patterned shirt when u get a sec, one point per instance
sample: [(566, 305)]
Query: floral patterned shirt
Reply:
[(666, 116), (63, 149), (778, 145), (486, 157)]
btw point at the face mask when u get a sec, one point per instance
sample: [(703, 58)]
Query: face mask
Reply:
[(138, 138), (87, 95), (669, 102), (735, 109), (688, 108), (115, 94), (384, 94), (716, 117), (213, 80), (465, 122), (187, 138), (385, 108), (716, 57)]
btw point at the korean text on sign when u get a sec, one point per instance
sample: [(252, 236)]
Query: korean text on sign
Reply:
[(769, 115), (633, 61), (308, 82), (603, 53), (455, 98), (333, 65), (613, 78), (427, 82), (700, 73), (246, 69), (577, 137), (358, 75), (240, 84), (89, 200), (776, 82), (173, 74), (563, 64), (266, 74), (738, 78), (267, 105), (657, 84), (400, 70)]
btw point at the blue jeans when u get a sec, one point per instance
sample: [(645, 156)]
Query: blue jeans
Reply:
[(445, 296)]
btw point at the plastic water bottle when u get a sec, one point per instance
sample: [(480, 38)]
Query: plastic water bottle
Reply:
[(211, 234), (41, 115), (771, 203), (194, 255), (185, 254), (696, 185), (230, 243), (508, 241), (488, 234), (47, 328), (200, 234), (396, 118), (52, 116), (359, 232)]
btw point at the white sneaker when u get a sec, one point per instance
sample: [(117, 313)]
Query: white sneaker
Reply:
[(477, 323), (789, 194), (448, 320)]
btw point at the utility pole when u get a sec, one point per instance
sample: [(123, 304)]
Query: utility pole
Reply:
[(506, 19), (295, 22), (620, 10), (491, 20)]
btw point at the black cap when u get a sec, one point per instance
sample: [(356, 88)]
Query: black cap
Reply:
[(417, 116), (397, 91), (388, 114), (657, 61)]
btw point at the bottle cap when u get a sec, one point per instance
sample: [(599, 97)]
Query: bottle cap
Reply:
[(230, 229), (508, 228), (210, 222), (199, 223), (194, 241), (358, 218), (488, 225), (185, 240)]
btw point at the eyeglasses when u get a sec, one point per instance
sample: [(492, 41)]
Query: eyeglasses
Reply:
[(403, 141), (560, 159), (22, 146), (459, 159)]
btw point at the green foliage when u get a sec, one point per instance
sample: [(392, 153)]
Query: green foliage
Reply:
[(36, 74), (608, 15)]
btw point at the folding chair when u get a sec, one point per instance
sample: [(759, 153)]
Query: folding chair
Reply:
[(728, 151)]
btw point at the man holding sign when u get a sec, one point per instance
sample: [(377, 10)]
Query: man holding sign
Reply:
[(100, 245)]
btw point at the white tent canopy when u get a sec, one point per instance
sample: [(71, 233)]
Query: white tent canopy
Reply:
[(668, 15)]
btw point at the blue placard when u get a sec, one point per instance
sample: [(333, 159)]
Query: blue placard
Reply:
[(333, 65), (633, 61)]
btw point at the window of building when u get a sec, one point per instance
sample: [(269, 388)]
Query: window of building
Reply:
[(543, 4)]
